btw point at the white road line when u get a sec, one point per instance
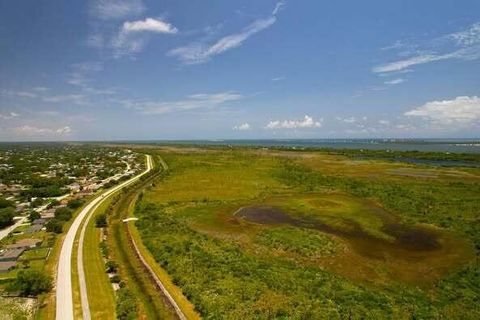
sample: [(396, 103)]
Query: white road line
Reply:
[(64, 297)]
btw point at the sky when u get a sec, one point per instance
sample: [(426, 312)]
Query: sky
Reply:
[(178, 69)]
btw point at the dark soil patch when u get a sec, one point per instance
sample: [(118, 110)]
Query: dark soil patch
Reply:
[(409, 240)]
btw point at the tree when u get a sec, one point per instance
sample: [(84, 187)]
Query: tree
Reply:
[(31, 282), (53, 203), (6, 217), (75, 203), (37, 202), (63, 214), (101, 221), (55, 225), (4, 203), (34, 215)]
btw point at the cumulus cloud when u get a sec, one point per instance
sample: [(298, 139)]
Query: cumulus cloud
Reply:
[(191, 102), (242, 127), (131, 38), (461, 111), (351, 120), (116, 9), (149, 25), (306, 122), (199, 52)]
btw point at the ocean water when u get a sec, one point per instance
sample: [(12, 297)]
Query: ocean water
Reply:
[(427, 145)]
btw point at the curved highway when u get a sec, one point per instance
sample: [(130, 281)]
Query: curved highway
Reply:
[(64, 297)]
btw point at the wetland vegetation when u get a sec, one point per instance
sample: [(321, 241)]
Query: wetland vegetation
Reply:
[(249, 233)]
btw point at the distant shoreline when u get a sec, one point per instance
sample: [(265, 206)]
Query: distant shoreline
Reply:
[(421, 145)]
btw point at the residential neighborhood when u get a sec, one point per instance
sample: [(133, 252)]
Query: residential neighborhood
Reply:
[(40, 189)]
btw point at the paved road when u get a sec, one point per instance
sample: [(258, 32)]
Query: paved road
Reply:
[(5, 232), (64, 297)]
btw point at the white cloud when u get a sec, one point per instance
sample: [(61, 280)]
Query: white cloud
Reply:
[(192, 102), (34, 131), (278, 7), (116, 9), (16, 93), (131, 38), (82, 71), (463, 45), (40, 89), (384, 122), (461, 110), (200, 52), (404, 64), (394, 82), (306, 122), (73, 98), (279, 78), (149, 25), (351, 120), (469, 36), (242, 127), (9, 115)]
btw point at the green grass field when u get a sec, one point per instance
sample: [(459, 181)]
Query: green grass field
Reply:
[(323, 235)]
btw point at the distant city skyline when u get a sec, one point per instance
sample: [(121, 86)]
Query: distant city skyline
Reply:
[(145, 70)]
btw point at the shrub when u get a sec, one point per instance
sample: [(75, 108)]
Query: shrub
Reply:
[(101, 221), (126, 305), (111, 266)]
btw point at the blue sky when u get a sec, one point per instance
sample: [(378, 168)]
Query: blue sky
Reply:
[(177, 69)]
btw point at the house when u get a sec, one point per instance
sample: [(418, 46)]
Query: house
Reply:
[(22, 206), (74, 187), (6, 266), (12, 254), (25, 244), (34, 228), (48, 214), (39, 221)]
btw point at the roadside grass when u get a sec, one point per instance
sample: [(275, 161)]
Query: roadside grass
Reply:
[(101, 297), (151, 305)]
